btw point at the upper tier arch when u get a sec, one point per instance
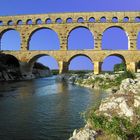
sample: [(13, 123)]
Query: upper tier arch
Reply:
[(132, 16), (10, 39), (46, 29)]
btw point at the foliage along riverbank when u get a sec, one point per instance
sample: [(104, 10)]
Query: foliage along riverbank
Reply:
[(118, 115), (108, 82)]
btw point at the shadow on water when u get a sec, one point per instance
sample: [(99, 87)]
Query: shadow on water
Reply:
[(43, 109)]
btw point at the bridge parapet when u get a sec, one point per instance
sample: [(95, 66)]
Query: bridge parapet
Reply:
[(55, 17)]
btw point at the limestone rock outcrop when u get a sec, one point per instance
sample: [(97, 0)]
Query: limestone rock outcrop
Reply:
[(85, 134), (124, 103)]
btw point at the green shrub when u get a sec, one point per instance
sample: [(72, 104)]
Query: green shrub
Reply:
[(79, 71), (120, 67), (117, 126), (106, 83), (90, 81), (136, 131), (98, 79), (79, 81), (124, 75), (128, 74), (55, 72)]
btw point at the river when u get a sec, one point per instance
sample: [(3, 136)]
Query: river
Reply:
[(43, 109)]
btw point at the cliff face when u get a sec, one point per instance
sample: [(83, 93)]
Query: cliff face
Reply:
[(9, 74), (38, 73), (13, 73), (39, 70)]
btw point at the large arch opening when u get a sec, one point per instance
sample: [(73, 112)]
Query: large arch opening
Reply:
[(43, 39), (9, 60), (9, 68), (80, 38), (80, 63), (10, 40), (44, 65), (114, 63), (115, 38)]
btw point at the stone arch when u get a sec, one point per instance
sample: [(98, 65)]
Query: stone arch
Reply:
[(115, 19), (103, 19), (57, 41), (69, 20), (9, 60), (58, 20), (137, 19), (48, 21), (82, 58), (10, 22), (16, 39), (80, 20), (34, 59), (86, 32), (118, 55), (108, 63), (112, 32), (29, 22), (126, 19), (91, 19), (38, 21), (19, 22)]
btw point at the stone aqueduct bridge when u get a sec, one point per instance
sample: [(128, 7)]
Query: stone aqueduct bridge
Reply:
[(63, 24)]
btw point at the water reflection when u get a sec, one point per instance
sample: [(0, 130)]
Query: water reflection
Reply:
[(43, 109)]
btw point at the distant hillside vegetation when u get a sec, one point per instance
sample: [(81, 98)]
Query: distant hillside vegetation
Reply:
[(40, 66)]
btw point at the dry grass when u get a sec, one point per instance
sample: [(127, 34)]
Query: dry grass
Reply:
[(106, 137)]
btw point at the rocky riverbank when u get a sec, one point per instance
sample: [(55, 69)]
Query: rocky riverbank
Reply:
[(108, 82), (118, 115)]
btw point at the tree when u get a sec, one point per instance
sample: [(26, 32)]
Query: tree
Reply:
[(120, 67)]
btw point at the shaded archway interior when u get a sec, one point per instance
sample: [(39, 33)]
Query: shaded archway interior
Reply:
[(8, 62)]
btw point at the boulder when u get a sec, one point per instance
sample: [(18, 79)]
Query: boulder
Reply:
[(130, 85), (122, 105), (84, 134)]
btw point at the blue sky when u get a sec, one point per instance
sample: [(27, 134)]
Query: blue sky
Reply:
[(112, 39), (12, 7)]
